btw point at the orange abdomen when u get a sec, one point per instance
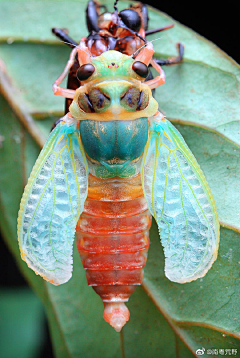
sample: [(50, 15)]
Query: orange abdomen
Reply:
[(113, 240)]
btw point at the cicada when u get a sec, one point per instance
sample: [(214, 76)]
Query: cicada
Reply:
[(110, 164)]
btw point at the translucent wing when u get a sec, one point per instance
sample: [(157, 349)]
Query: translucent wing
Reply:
[(52, 203), (181, 202)]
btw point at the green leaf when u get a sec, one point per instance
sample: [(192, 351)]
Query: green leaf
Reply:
[(21, 324), (201, 96)]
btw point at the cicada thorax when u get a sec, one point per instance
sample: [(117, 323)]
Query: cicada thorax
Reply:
[(113, 107)]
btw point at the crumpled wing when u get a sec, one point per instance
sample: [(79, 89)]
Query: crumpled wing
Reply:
[(181, 202), (52, 203)]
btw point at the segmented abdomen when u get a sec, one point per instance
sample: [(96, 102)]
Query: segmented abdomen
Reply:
[(113, 237)]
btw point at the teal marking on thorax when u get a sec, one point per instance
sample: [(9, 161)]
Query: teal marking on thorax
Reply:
[(114, 144)]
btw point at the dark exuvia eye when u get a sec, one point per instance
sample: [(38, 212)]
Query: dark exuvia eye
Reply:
[(140, 68), (85, 71), (131, 19)]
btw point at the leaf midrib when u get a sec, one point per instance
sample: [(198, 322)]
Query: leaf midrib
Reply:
[(175, 323)]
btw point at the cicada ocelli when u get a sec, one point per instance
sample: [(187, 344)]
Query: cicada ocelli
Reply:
[(110, 164)]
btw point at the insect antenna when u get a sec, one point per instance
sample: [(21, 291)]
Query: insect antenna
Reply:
[(115, 5), (69, 43), (134, 54)]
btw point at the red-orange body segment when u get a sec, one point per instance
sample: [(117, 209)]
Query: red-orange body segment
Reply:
[(113, 236)]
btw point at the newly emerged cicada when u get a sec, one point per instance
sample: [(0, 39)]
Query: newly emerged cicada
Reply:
[(112, 162)]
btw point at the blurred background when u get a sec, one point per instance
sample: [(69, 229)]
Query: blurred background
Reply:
[(217, 23)]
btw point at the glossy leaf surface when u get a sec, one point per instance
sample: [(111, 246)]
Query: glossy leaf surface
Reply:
[(201, 96)]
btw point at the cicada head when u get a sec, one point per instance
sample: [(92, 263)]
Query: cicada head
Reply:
[(113, 88)]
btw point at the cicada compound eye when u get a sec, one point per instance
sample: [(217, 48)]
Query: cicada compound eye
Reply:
[(85, 71), (140, 69)]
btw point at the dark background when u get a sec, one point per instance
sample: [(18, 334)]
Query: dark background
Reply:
[(216, 21)]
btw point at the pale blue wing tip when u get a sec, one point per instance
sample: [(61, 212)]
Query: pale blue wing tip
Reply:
[(57, 277), (178, 277)]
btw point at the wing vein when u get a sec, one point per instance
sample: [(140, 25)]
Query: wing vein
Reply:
[(165, 188), (67, 182), (70, 150), (35, 211), (154, 173), (209, 236), (50, 224), (193, 195)]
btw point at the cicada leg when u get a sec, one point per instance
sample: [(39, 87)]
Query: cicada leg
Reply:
[(64, 92), (145, 56), (63, 36), (159, 80), (159, 29), (83, 58), (175, 60), (92, 17)]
